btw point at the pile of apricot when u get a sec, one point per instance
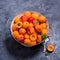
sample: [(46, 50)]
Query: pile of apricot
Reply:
[(30, 28)]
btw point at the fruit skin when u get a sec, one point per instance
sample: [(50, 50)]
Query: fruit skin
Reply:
[(22, 31), (15, 33), (39, 39), (26, 36), (27, 41), (20, 38), (18, 24), (14, 27), (42, 19), (30, 19), (43, 25), (31, 25), (23, 18), (17, 20), (27, 14), (38, 28), (44, 31), (33, 37), (25, 24), (33, 43), (35, 15), (30, 30), (50, 48)]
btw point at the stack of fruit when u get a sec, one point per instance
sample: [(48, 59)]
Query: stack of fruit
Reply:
[(30, 28)]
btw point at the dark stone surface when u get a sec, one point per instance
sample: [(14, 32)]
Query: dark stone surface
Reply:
[(9, 48)]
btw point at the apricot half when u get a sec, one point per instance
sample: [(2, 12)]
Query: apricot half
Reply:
[(33, 37)]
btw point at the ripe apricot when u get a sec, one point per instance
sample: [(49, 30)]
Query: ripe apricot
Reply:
[(23, 18), (33, 43), (33, 37), (20, 38), (42, 19), (50, 47), (15, 34), (44, 31), (35, 15), (17, 19), (39, 39), (30, 30), (22, 31), (25, 24), (27, 41), (14, 27), (19, 24), (26, 36), (31, 25), (27, 13), (43, 25), (38, 28)]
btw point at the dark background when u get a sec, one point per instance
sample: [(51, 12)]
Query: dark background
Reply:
[(9, 48)]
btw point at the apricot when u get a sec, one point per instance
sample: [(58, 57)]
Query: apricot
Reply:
[(35, 15), (27, 41), (23, 18), (33, 37), (43, 25), (31, 25), (15, 34), (50, 47), (39, 38), (17, 19), (26, 36), (25, 24), (20, 38), (38, 28), (19, 24), (44, 31), (33, 43), (42, 19), (30, 19), (27, 13), (22, 31), (30, 30), (14, 27)]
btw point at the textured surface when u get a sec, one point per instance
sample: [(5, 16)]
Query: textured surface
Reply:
[(9, 48)]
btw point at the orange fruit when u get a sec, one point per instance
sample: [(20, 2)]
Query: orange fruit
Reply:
[(31, 25), (14, 27), (22, 31), (43, 25), (38, 28), (25, 24), (23, 18), (30, 30), (26, 36), (39, 38), (50, 47), (20, 38), (15, 34), (44, 31), (33, 43), (19, 24), (27, 14), (27, 41), (16, 20), (42, 19), (33, 37), (35, 15)]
